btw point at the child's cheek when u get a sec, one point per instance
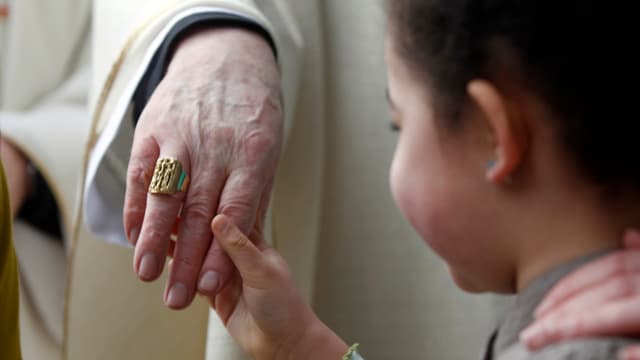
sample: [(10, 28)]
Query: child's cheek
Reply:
[(398, 180), (410, 194), (422, 200)]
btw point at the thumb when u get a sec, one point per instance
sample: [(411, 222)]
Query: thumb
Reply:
[(247, 258)]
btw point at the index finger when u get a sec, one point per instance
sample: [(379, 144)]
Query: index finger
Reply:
[(247, 258), (144, 153)]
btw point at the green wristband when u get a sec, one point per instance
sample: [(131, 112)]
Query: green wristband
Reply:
[(352, 354)]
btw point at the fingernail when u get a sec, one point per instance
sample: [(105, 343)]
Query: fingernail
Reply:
[(148, 267), (220, 224), (532, 337), (177, 296), (209, 282), (133, 235)]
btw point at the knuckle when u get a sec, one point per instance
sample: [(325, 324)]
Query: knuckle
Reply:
[(239, 211), (185, 262), (174, 198), (140, 173), (238, 207), (274, 267), (215, 252), (260, 144), (268, 271), (260, 141), (625, 286), (154, 236), (217, 259), (222, 134), (198, 210), (133, 212), (142, 161), (160, 223), (238, 241)]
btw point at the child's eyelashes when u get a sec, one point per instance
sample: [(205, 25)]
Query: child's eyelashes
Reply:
[(393, 110)]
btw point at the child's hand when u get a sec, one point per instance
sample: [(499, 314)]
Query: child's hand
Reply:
[(261, 307), (601, 298)]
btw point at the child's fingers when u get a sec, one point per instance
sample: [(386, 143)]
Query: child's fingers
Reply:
[(630, 353), (247, 258), (615, 318)]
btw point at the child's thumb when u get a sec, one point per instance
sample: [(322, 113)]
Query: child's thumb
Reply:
[(243, 253)]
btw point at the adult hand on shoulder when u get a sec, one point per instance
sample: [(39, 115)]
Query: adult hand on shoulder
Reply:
[(15, 164), (261, 307), (218, 111), (601, 298)]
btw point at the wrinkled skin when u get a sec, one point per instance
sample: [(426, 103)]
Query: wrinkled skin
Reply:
[(218, 110)]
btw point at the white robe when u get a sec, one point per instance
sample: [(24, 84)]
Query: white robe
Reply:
[(44, 80)]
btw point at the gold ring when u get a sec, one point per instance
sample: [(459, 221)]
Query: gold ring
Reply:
[(168, 177)]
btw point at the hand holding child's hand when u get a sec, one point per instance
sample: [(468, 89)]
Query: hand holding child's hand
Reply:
[(261, 307)]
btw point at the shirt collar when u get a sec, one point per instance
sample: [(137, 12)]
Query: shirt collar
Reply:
[(520, 314)]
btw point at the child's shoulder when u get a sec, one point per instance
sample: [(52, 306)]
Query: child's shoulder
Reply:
[(587, 349)]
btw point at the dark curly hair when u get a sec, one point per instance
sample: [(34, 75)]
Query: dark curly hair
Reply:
[(567, 51)]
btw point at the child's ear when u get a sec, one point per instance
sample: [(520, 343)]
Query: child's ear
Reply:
[(506, 130)]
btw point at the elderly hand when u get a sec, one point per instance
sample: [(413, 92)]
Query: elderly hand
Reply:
[(601, 298), (15, 164), (218, 111), (262, 309)]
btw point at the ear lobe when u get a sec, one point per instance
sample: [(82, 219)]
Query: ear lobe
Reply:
[(508, 140)]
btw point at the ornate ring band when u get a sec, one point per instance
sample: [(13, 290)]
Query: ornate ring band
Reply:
[(168, 177)]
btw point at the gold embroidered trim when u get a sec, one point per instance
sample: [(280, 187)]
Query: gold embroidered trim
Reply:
[(93, 136)]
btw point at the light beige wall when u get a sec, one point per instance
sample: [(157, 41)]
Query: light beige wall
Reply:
[(377, 282)]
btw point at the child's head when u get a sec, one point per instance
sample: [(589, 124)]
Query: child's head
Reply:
[(508, 121)]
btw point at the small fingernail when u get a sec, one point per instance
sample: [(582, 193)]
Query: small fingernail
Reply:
[(532, 337), (209, 282), (177, 296), (220, 224), (133, 235), (148, 267)]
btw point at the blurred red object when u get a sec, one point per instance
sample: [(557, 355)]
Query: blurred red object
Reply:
[(4, 11)]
